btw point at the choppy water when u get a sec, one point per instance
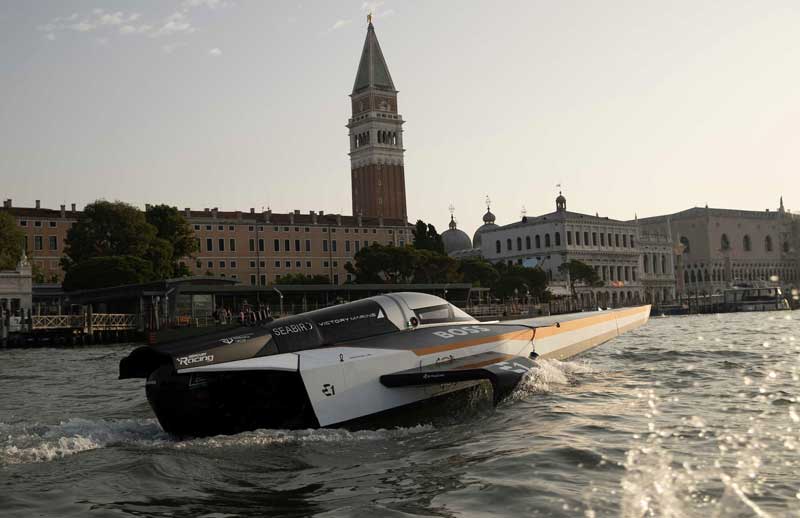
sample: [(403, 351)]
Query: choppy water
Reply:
[(689, 416)]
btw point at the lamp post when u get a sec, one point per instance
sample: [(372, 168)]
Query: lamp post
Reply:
[(280, 295)]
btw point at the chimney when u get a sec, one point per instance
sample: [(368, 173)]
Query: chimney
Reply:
[(267, 215), (291, 217), (321, 213), (63, 211), (187, 212), (252, 210), (339, 220), (73, 208), (214, 212), (238, 214), (313, 217), (38, 204)]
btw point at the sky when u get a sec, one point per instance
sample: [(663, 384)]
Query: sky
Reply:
[(633, 107)]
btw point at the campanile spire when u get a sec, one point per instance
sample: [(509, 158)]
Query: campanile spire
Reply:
[(376, 137)]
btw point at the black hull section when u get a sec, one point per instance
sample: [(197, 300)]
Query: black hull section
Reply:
[(197, 405)]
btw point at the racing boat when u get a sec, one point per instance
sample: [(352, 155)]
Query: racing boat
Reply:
[(342, 364)]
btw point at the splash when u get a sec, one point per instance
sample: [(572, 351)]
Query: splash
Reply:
[(548, 375)]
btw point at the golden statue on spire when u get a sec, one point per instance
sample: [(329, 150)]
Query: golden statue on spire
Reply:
[(369, 18)]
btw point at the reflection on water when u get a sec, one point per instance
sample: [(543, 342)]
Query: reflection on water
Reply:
[(689, 416)]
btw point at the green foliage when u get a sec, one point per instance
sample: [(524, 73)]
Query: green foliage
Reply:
[(121, 231), (522, 279), (102, 272), (11, 239), (426, 237), (173, 227), (379, 264), (579, 272), (479, 272), (299, 278)]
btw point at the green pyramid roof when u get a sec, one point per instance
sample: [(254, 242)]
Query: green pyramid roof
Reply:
[(372, 69)]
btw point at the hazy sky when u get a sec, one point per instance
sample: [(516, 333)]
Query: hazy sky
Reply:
[(635, 107)]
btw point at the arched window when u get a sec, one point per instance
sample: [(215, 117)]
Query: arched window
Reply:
[(527, 242), (724, 242), (655, 264), (547, 240), (508, 244), (746, 244), (663, 263), (646, 264), (694, 279), (578, 238), (685, 276), (768, 244), (519, 243), (705, 276), (497, 246), (616, 240), (786, 247), (685, 243), (558, 238), (538, 241)]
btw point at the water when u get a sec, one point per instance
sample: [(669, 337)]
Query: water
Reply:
[(689, 416)]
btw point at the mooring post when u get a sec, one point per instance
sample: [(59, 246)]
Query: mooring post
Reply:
[(3, 328)]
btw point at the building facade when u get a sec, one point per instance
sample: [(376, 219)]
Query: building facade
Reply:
[(719, 248), (253, 247), (611, 247), (376, 138)]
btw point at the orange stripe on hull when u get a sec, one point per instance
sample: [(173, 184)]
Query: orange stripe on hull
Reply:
[(524, 334), (580, 323)]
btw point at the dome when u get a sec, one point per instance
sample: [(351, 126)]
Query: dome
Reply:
[(561, 203), (488, 217), (455, 239), (488, 224)]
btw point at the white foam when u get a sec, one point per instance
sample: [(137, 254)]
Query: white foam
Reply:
[(548, 375)]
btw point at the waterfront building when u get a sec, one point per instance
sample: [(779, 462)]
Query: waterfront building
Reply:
[(658, 267), (16, 289), (722, 247), (257, 248), (610, 246), (376, 138)]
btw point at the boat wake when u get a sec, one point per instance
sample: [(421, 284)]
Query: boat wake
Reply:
[(549, 376), (25, 444)]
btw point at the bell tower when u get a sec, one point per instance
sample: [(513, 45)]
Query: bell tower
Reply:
[(376, 138)]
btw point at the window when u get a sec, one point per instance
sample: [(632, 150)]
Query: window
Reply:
[(287, 264), (276, 244), (547, 240), (631, 241), (305, 229), (263, 279), (251, 228), (585, 239), (260, 245), (324, 229), (357, 246), (663, 264), (569, 237), (625, 240), (209, 244), (333, 245), (325, 264), (222, 264), (221, 245), (538, 241), (785, 247), (210, 264), (308, 264), (335, 264), (220, 227), (325, 245), (208, 227), (276, 229), (578, 238), (347, 246), (277, 264), (252, 279), (724, 242), (37, 224), (37, 243), (616, 240), (497, 246), (51, 224), (508, 244), (308, 245), (52, 242), (252, 245), (252, 264), (23, 223), (296, 245), (286, 229), (263, 264), (298, 264), (297, 229), (594, 238), (286, 245), (198, 264), (685, 242), (746, 244), (519, 243), (232, 243), (527, 242), (558, 238), (602, 239), (768, 244), (610, 242), (233, 264)]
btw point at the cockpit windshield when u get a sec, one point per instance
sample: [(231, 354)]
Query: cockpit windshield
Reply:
[(440, 314)]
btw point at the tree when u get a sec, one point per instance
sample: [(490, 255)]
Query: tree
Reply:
[(11, 242), (107, 229), (579, 272), (518, 280), (433, 267), (479, 272), (102, 272), (377, 264), (426, 238), (173, 227)]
